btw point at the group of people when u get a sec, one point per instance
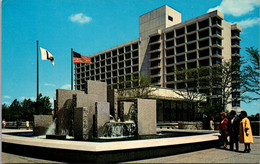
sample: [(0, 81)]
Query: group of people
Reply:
[(237, 128)]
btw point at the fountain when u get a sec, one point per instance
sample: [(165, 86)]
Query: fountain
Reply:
[(86, 115)]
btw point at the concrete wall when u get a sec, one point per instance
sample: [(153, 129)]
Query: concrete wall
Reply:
[(112, 99), (64, 107), (63, 95), (102, 117), (146, 116), (190, 125), (124, 110), (97, 88), (41, 124), (83, 123)]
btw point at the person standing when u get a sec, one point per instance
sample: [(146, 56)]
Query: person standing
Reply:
[(3, 124), (223, 128), (211, 123), (233, 130), (245, 132), (17, 124), (27, 124)]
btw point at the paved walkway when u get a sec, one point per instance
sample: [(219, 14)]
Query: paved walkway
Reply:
[(12, 158), (212, 155), (204, 156)]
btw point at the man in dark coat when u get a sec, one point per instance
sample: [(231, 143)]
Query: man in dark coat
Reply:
[(233, 129)]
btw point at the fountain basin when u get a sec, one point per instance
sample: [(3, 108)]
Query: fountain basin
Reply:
[(116, 151), (58, 137), (119, 130)]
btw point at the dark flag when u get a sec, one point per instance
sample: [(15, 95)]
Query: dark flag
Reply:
[(78, 58)]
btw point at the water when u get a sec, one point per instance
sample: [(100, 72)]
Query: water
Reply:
[(52, 128), (119, 138), (44, 137)]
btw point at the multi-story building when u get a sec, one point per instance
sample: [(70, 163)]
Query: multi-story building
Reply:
[(167, 44)]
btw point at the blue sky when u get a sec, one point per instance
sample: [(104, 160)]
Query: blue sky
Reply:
[(90, 26)]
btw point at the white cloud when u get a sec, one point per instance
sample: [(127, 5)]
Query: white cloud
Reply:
[(236, 7), (79, 18), (7, 97), (248, 22), (32, 98), (48, 84), (66, 86)]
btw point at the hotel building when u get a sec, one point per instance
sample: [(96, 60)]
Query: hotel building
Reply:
[(167, 44)]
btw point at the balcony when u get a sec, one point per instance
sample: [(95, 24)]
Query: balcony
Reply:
[(155, 39), (204, 33), (236, 46), (170, 61), (217, 46), (156, 80), (169, 35), (236, 37), (155, 56), (169, 44), (155, 64), (191, 28), (236, 55)]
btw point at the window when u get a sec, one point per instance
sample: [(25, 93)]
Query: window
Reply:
[(180, 58), (155, 71), (180, 31), (170, 18), (154, 38), (235, 103), (170, 35), (170, 78), (191, 28), (170, 61), (135, 46), (170, 69)]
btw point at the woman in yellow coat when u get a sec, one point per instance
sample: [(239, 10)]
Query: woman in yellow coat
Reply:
[(245, 130)]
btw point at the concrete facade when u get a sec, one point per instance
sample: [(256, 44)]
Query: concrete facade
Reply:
[(167, 44), (83, 123), (41, 124), (81, 103), (102, 117), (146, 116), (96, 88)]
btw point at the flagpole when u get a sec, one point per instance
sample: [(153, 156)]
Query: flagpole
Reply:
[(37, 96), (71, 69)]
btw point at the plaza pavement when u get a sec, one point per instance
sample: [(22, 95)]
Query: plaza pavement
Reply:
[(213, 155)]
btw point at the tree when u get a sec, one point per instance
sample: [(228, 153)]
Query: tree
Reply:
[(45, 105), (15, 110), (214, 82), (6, 115), (189, 91), (26, 109), (250, 75), (222, 77), (141, 87)]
